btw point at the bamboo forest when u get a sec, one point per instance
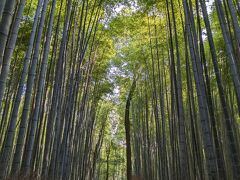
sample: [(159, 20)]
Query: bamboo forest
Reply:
[(119, 90)]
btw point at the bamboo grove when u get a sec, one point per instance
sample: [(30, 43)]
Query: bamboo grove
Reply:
[(111, 89)]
